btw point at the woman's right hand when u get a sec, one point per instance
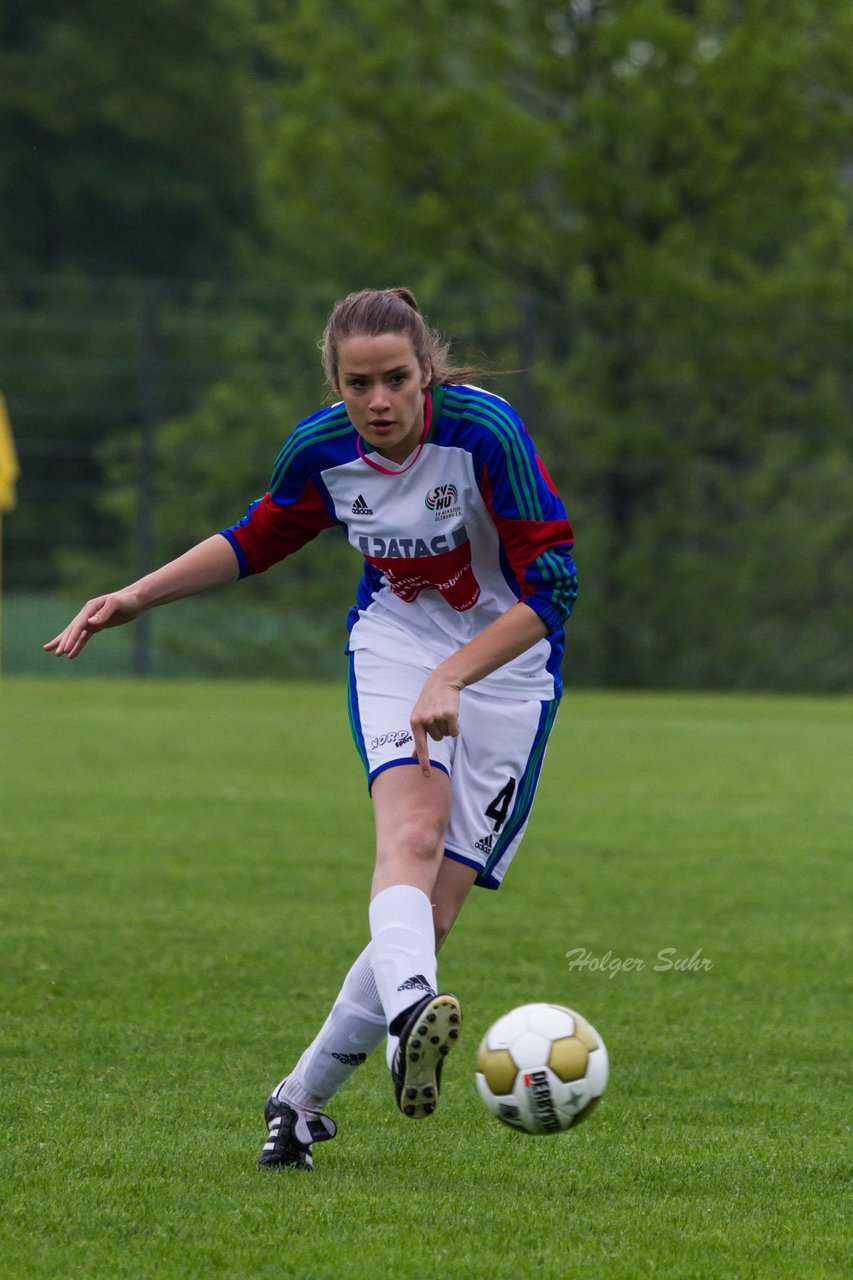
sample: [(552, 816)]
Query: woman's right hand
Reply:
[(211, 563), (96, 615)]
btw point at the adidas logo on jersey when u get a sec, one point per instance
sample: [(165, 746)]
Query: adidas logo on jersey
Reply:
[(360, 507)]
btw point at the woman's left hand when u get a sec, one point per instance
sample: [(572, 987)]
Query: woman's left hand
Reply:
[(435, 714)]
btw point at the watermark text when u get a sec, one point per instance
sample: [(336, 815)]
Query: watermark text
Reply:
[(668, 959)]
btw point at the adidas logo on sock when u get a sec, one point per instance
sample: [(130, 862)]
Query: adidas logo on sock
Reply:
[(417, 983), (360, 507), (351, 1059)]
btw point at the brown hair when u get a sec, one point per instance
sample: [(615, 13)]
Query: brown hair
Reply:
[(374, 311)]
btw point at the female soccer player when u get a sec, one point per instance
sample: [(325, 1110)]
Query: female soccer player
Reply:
[(455, 642)]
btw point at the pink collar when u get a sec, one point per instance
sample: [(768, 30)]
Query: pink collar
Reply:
[(385, 470)]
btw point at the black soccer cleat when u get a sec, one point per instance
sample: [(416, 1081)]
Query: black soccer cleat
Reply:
[(427, 1037), (291, 1133)]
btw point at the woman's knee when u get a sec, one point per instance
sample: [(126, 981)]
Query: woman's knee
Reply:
[(418, 839)]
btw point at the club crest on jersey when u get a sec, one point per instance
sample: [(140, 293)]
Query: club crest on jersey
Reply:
[(443, 501)]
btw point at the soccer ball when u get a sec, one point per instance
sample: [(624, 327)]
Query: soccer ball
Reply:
[(541, 1068)]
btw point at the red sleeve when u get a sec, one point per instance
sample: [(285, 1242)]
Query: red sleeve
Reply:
[(272, 530), (539, 555)]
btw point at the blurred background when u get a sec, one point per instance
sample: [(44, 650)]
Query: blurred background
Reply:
[(642, 209)]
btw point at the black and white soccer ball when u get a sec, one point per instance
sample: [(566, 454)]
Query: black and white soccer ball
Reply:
[(541, 1068)]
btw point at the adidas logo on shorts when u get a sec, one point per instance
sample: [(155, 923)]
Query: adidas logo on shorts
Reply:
[(360, 507)]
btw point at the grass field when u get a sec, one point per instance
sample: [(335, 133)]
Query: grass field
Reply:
[(184, 872)]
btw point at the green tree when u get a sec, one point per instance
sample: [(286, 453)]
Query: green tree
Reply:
[(664, 183), (129, 135), (646, 206), (129, 147)]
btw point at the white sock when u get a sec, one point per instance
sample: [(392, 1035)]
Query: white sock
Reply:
[(353, 1029), (403, 949)]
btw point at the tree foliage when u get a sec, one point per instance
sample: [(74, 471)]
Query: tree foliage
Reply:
[(644, 207), (130, 140)]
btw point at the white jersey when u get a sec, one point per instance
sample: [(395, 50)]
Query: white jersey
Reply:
[(465, 528)]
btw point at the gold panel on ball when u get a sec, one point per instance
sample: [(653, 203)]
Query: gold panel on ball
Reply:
[(584, 1033), (568, 1058), (498, 1068)]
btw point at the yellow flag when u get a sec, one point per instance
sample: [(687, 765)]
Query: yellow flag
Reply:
[(9, 469)]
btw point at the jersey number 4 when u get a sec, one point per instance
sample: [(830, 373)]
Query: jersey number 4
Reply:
[(499, 807)]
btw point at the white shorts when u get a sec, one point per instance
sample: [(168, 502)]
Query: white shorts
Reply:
[(493, 764)]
